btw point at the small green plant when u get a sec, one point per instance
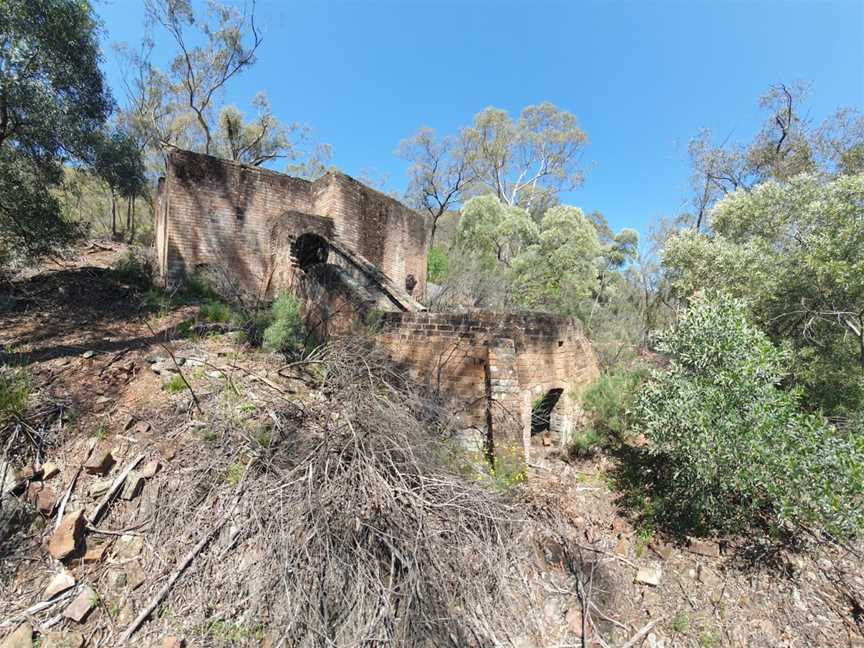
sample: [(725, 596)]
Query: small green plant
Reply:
[(101, 430), (509, 469), (286, 332), (133, 269), (199, 286), (215, 311), (263, 436), (175, 385), (709, 638), (681, 622), (235, 474), (14, 392), (584, 442)]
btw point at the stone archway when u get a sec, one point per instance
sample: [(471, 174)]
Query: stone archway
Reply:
[(310, 249)]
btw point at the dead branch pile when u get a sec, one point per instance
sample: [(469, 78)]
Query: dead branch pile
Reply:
[(355, 526)]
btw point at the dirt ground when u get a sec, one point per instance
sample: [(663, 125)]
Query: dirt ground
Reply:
[(89, 348)]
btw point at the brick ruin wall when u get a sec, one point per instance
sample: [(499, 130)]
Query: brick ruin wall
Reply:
[(508, 360), (216, 212), (486, 367)]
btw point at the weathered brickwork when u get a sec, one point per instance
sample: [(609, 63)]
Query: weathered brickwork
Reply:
[(527, 354), (347, 252), (216, 212)]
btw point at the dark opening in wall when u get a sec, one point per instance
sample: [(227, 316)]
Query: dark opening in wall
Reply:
[(310, 249), (541, 412)]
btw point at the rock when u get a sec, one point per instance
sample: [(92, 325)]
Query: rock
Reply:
[(173, 642), (141, 427), (49, 470), (62, 640), (547, 439), (150, 469), (22, 637), (622, 547), (117, 580), (9, 476), (99, 463), (708, 578), (88, 354), (132, 486), (128, 422), (81, 605), (68, 535), (126, 614), (42, 497), (58, 583), (135, 576), (95, 553), (99, 488), (649, 576), (214, 374), (128, 546), (703, 547), (661, 549), (29, 473), (620, 525), (102, 400), (574, 621)]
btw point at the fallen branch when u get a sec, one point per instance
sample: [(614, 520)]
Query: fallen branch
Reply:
[(38, 607), (187, 560), (68, 492), (635, 639), (94, 518)]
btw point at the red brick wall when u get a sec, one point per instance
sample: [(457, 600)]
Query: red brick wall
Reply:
[(219, 212), (449, 352)]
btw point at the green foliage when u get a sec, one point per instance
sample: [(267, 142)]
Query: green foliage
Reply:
[(134, 269), (560, 269), (494, 232), (585, 442), (735, 451), (795, 252), (14, 392), (608, 400), (437, 264), (55, 103), (175, 385), (286, 332), (213, 310)]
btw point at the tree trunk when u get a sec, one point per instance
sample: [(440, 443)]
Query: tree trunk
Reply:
[(132, 221), (113, 215)]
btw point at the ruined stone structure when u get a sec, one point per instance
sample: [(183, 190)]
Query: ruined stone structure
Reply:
[(355, 257)]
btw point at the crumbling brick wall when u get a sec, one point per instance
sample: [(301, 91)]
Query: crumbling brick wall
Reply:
[(524, 354), (217, 212)]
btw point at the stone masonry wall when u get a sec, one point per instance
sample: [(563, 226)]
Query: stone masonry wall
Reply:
[(527, 354)]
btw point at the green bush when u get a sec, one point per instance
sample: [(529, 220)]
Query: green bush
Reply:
[(134, 269), (286, 332), (213, 310), (585, 442), (609, 399), (735, 450), (437, 265)]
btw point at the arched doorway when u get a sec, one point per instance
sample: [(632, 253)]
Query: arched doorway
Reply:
[(310, 249), (541, 411)]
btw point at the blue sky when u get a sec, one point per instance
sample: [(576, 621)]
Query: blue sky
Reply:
[(642, 77)]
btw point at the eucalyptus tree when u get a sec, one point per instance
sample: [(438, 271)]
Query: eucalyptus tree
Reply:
[(53, 103)]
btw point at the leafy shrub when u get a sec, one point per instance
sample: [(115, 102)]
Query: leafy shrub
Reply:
[(213, 310), (437, 264), (584, 442), (609, 399), (736, 450), (134, 268), (286, 332)]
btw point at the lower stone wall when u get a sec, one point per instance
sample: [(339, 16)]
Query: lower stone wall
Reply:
[(510, 359)]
